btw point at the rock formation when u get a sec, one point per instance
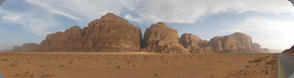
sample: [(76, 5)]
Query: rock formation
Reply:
[(163, 39), (237, 42), (112, 33), (194, 44), (291, 50), (28, 47), (70, 40)]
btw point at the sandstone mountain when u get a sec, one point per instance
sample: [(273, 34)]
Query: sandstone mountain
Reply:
[(236, 42), (28, 47), (112, 33), (163, 39), (194, 44), (291, 50)]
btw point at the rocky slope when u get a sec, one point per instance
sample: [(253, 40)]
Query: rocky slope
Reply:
[(163, 39), (112, 33), (194, 44), (236, 42), (291, 50)]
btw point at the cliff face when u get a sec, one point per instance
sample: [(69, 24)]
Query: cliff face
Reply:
[(194, 44), (163, 39), (237, 42), (112, 33), (70, 40), (28, 47), (234, 43)]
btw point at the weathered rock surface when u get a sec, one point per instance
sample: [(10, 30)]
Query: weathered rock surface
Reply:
[(194, 44), (237, 43), (163, 39), (234, 43), (28, 47), (70, 40), (110, 33)]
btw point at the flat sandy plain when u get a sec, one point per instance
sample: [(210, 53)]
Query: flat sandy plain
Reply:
[(136, 65)]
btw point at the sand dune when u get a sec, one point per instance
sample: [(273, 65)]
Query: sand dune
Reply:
[(136, 65)]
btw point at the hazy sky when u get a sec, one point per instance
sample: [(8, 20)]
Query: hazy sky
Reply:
[(269, 22)]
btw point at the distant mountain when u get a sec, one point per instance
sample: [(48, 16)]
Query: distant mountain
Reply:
[(236, 42), (112, 33)]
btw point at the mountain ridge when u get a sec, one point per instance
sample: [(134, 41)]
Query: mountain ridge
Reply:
[(112, 33)]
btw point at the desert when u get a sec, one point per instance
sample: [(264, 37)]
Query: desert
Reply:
[(146, 39), (110, 47), (136, 65)]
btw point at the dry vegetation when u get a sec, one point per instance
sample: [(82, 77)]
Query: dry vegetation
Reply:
[(137, 65)]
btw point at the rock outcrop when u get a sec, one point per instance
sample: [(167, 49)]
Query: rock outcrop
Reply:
[(234, 43), (163, 39), (110, 33), (70, 40), (28, 47), (194, 44), (291, 50)]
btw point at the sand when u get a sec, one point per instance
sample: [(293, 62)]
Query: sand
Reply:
[(136, 65)]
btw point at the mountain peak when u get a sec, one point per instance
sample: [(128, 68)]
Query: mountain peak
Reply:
[(111, 17), (110, 14)]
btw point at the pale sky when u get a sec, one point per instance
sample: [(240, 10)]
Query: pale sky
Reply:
[(269, 22)]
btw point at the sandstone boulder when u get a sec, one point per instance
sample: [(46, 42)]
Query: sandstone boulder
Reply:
[(163, 39)]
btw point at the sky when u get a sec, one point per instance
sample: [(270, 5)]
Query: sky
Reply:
[(269, 22)]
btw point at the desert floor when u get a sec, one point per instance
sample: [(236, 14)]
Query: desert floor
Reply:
[(136, 65)]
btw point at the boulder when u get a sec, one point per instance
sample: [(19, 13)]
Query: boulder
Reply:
[(163, 39)]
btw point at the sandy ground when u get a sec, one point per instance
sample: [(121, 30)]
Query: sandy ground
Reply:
[(136, 65)]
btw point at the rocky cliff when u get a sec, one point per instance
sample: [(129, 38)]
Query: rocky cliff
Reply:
[(112, 33), (161, 38), (194, 44), (236, 42)]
